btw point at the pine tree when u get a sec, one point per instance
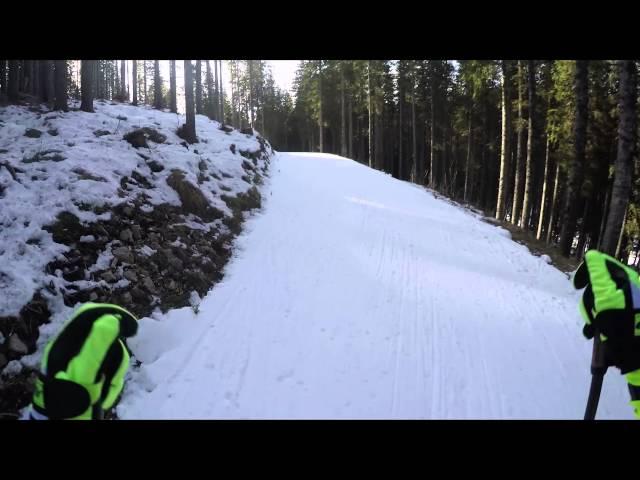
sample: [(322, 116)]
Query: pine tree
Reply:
[(157, 86), (621, 192), (189, 131), (199, 87), (505, 151), (61, 85), (571, 204), (13, 80), (524, 217), (134, 82), (173, 96), (87, 81)]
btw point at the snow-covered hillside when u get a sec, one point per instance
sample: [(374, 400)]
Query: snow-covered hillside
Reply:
[(95, 206)]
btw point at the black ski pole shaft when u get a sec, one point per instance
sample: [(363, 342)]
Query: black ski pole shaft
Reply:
[(598, 370)]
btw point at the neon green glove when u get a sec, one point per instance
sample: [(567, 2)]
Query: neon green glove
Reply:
[(83, 367)]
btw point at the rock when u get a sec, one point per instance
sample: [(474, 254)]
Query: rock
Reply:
[(53, 132), (155, 166), (232, 147), (136, 230), (141, 179), (126, 235), (3, 361), (128, 211), (175, 263), (67, 228), (126, 298), (172, 285), (148, 284), (138, 294), (138, 138), (16, 345), (108, 276), (123, 254), (33, 133), (93, 296), (193, 200), (131, 275)]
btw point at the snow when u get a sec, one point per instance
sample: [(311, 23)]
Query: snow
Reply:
[(13, 367), (104, 259), (354, 295), (87, 239), (146, 250), (89, 173)]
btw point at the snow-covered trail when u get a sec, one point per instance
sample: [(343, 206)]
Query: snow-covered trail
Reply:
[(355, 295)]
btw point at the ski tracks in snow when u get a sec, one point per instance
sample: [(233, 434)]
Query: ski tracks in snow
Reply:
[(355, 295)]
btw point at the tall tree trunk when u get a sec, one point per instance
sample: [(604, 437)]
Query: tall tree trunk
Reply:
[(134, 82), (350, 137), (555, 204), (414, 138), (251, 119), (524, 222), (320, 122), (3, 77), (199, 87), (209, 106), (173, 94), (190, 125), (545, 192), (144, 74), (467, 170), (519, 163), (234, 118), (576, 174), (216, 95), (36, 79), (221, 92), (506, 133), (343, 120), (86, 82), (401, 152), (157, 86), (27, 76), (622, 240), (61, 85), (623, 170), (605, 214), (20, 64), (379, 145), (123, 75), (12, 86), (433, 174), (51, 89), (582, 235), (43, 79), (370, 108)]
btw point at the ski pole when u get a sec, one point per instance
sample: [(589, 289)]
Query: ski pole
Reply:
[(598, 369)]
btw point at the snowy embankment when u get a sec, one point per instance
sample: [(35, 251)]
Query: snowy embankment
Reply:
[(113, 206), (355, 295)]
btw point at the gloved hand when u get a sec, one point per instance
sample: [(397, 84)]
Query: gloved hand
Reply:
[(83, 367), (610, 306)]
